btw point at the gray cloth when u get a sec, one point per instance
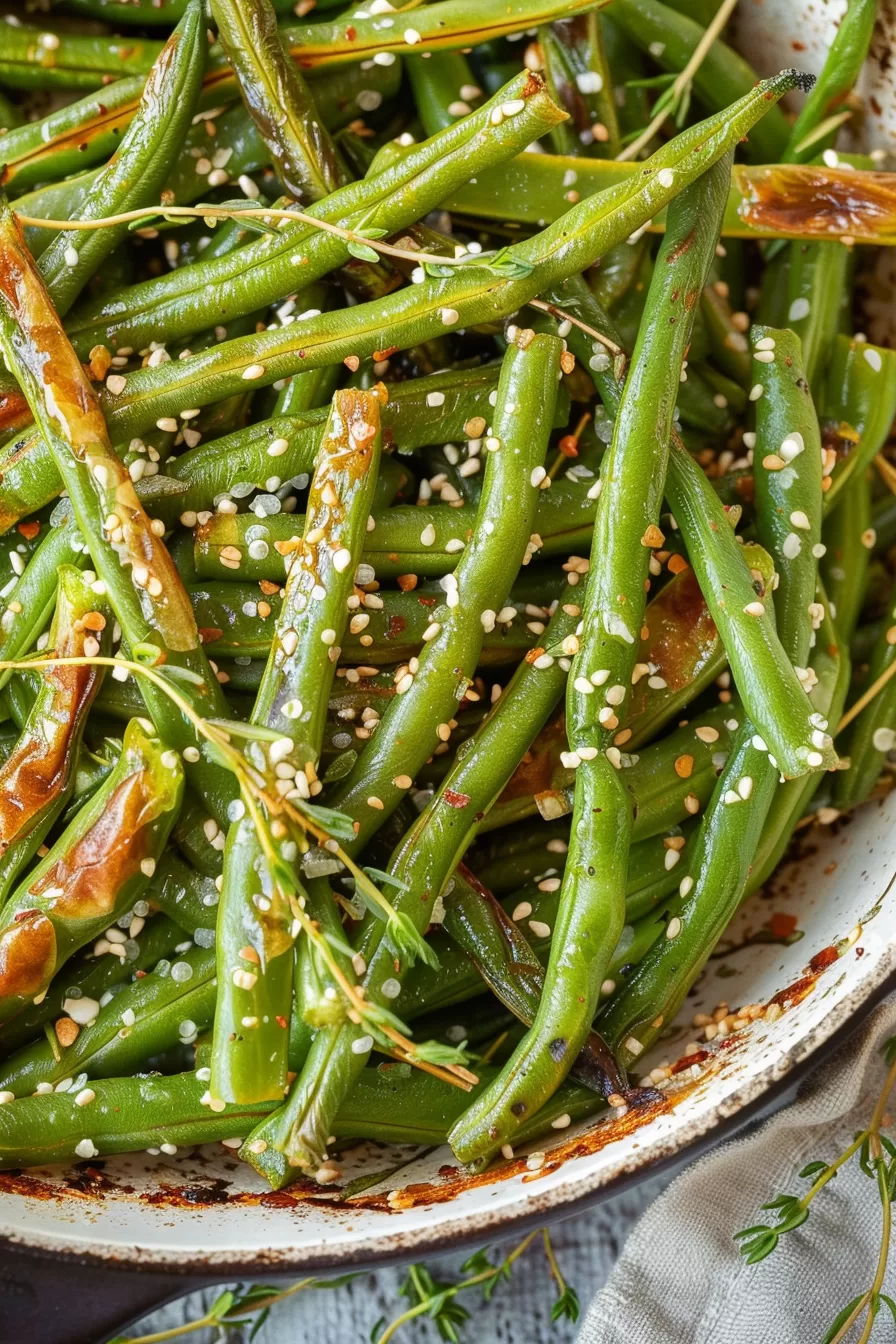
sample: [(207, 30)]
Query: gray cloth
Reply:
[(680, 1280)]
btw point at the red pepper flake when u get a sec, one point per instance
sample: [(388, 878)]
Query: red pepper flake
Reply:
[(139, 975), (28, 530), (826, 957), (454, 799), (407, 582), (208, 634), (350, 33), (687, 1060), (380, 355), (782, 925), (396, 625), (281, 1022)]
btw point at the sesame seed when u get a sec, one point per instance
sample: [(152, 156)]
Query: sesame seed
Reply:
[(754, 609), (799, 519), (673, 928), (539, 929), (665, 177), (686, 886), (253, 371), (85, 1097), (756, 392), (870, 355), (449, 316), (707, 734)]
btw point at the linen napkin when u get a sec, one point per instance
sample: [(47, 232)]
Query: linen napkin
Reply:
[(680, 1278)]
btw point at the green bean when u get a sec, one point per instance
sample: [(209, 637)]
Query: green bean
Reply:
[(788, 483), (419, 717), (444, 89), (650, 881), (859, 408), (214, 291), (186, 896), (37, 778), (149, 14), (592, 902), (489, 559), (727, 342), (720, 863), (775, 201), (575, 66), (721, 77), (843, 63), (34, 59), (255, 955), (30, 603), (96, 869), (681, 649), (455, 26), (773, 695), (830, 662), (139, 167), (390, 1104), (817, 283), (669, 781), (279, 101), (727, 843), (69, 139), (150, 604), (417, 413), (166, 1006), (231, 620), (848, 538), (501, 953), (472, 293), (871, 736), (88, 976)]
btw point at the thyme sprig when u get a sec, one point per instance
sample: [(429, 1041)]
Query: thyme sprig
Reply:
[(276, 819), (238, 1308), (364, 242), (877, 1159)]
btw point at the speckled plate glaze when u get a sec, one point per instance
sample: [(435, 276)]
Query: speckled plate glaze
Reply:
[(817, 946)]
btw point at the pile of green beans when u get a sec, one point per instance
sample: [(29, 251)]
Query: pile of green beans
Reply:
[(428, 599)]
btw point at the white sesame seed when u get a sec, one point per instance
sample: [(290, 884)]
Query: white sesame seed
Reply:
[(673, 928), (85, 1097), (665, 177), (872, 358), (253, 371), (86, 1149), (754, 609), (756, 392), (799, 519), (449, 316)]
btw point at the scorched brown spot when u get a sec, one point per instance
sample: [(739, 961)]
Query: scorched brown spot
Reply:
[(27, 955), (93, 871), (818, 202)]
